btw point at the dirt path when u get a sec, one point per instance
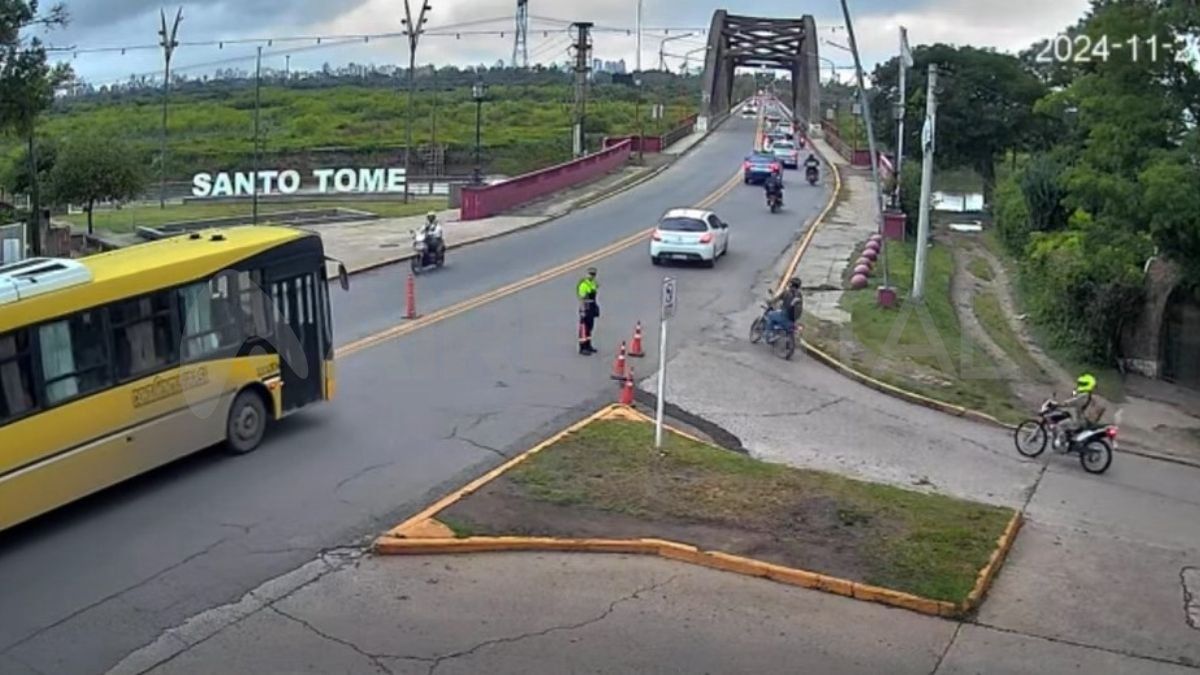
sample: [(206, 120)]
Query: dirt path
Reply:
[(1002, 285), (965, 285)]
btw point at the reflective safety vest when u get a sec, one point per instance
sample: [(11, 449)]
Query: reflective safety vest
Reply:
[(587, 288)]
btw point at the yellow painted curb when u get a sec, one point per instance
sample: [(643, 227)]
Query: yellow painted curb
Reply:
[(423, 534), (988, 574), (726, 562)]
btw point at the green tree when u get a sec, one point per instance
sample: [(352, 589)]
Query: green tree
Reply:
[(93, 169), (28, 82), (985, 106), (14, 171)]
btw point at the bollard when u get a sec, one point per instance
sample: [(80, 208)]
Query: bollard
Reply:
[(411, 298)]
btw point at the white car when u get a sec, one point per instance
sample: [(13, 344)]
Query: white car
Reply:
[(689, 235), (749, 111)]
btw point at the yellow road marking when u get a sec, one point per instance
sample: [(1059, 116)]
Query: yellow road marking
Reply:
[(504, 291)]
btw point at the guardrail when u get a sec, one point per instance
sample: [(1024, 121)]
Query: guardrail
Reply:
[(482, 201), (656, 143)]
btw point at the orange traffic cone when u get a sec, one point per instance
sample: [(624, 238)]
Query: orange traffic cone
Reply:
[(627, 389), (619, 371), (635, 349)]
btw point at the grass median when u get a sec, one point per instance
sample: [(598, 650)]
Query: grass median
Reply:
[(130, 217), (607, 481), (919, 347)]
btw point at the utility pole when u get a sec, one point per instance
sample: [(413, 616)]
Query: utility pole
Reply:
[(928, 132), (638, 61), (637, 113), (287, 67), (583, 48), (413, 31), (433, 147), (257, 142), (905, 64), (866, 113), (168, 43)]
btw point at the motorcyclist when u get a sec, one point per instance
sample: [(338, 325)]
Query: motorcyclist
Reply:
[(787, 308), (1077, 405), (812, 164), (773, 185), (434, 241)]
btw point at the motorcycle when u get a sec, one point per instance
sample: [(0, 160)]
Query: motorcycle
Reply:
[(811, 174), (1094, 444), (782, 341), (775, 201), (426, 255)]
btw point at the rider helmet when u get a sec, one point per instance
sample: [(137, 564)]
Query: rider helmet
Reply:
[(794, 283), (431, 216), (1086, 384)]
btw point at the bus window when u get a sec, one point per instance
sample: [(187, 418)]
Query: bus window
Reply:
[(74, 357), (16, 376), (143, 337), (209, 318), (255, 321)]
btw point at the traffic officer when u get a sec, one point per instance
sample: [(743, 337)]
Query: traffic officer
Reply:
[(589, 309)]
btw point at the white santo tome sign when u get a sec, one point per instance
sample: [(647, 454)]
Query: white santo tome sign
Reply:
[(288, 182)]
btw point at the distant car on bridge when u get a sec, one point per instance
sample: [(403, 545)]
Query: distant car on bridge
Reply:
[(785, 151)]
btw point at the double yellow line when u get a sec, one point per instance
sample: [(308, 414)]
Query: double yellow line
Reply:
[(504, 291)]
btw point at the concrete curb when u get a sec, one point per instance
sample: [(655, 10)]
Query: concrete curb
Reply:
[(423, 534), (582, 204), (988, 574), (899, 392)]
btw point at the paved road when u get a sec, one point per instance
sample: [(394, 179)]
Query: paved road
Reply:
[(97, 580)]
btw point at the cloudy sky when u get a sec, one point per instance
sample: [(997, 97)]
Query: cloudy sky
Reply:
[(1003, 24)]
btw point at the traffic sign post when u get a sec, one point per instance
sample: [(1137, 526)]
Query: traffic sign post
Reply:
[(666, 311)]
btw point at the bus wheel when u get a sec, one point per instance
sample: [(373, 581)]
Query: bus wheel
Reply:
[(247, 423)]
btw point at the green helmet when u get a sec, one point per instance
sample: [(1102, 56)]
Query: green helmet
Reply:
[(1086, 384)]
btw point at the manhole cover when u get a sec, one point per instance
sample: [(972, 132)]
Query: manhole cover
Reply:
[(1191, 595)]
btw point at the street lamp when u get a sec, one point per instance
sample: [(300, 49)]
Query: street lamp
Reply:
[(478, 92)]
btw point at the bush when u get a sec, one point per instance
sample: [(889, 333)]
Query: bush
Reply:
[(1012, 215), (1082, 284), (1041, 184)]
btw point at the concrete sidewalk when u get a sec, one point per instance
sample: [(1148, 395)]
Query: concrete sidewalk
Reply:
[(832, 248), (553, 613)]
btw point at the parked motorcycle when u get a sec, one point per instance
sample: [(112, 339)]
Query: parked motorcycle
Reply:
[(1094, 444), (783, 342), (426, 255), (775, 201), (812, 175)]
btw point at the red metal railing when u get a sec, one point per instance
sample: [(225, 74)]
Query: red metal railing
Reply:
[(482, 201)]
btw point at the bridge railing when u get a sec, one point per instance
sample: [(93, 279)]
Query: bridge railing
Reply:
[(656, 143), (482, 201)]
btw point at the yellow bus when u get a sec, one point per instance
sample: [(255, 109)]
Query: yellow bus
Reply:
[(121, 362)]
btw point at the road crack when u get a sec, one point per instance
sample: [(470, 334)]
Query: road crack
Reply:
[(362, 472), (1180, 661), (375, 659), (953, 638), (113, 596), (553, 629), (454, 436)]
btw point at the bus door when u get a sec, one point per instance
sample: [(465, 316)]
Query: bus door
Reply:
[(298, 336)]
